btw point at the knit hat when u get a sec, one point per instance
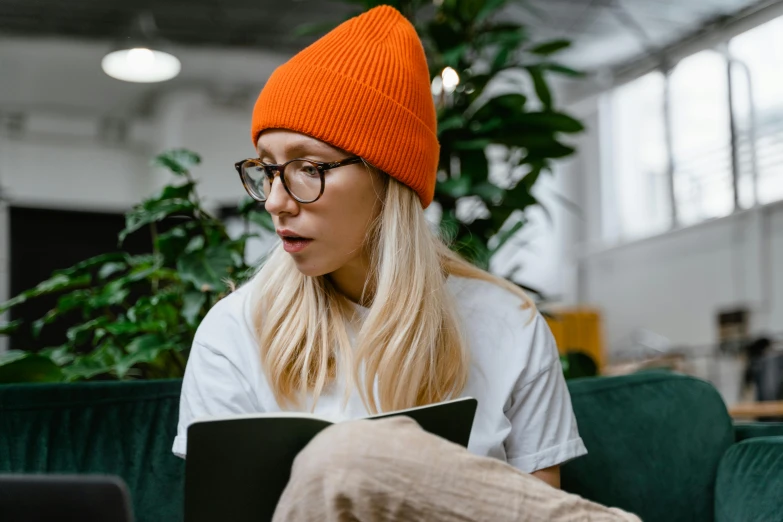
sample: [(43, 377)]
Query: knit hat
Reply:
[(363, 87)]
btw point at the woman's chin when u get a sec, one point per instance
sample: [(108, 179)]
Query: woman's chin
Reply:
[(308, 268)]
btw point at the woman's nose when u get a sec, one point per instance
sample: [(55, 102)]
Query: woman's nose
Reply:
[(279, 200)]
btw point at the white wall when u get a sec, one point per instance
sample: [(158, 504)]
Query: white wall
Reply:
[(73, 138), (676, 284), (673, 284)]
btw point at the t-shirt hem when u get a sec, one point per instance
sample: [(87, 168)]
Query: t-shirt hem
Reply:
[(554, 456), (180, 447)]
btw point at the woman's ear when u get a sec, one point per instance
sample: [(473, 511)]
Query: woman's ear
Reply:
[(380, 180)]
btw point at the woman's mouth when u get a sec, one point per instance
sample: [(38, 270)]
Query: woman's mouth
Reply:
[(293, 243)]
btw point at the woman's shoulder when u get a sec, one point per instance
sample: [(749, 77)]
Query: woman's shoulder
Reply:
[(499, 322), (230, 318), (489, 298)]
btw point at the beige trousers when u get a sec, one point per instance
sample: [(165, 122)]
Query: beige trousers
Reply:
[(391, 470)]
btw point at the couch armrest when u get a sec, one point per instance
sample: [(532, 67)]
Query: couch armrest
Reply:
[(749, 430), (750, 481)]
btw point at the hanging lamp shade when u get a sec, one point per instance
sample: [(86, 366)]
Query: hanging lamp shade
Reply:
[(140, 57)]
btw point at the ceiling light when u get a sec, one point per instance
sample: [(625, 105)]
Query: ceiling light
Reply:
[(450, 79), (140, 58), (141, 65)]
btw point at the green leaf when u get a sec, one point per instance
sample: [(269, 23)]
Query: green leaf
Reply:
[(562, 69), (110, 269), (489, 192), (72, 301), (477, 144), (550, 47), (152, 211), (246, 205), (489, 8), (143, 261), (502, 237), (168, 314), (262, 218), (473, 164), (60, 355), (49, 318), (127, 327), (89, 264), (549, 121), (519, 197), (506, 34), (540, 85), (455, 121), (449, 226), (192, 303), (57, 283), (110, 296), (197, 243), (552, 150), (207, 269), (530, 178), (81, 333), (17, 366), (10, 327), (171, 243), (178, 161), (474, 250), (500, 107), (101, 361), (10, 356), (455, 187), (444, 35), (469, 9), (501, 58), (183, 191), (453, 55), (144, 349)]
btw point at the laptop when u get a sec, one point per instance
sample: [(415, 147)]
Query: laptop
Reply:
[(55, 498)]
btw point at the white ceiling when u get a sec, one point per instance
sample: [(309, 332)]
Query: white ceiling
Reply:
[(609, 33), (63, 74)]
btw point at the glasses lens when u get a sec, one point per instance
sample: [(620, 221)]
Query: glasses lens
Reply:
[(303, 180), (256, 180)]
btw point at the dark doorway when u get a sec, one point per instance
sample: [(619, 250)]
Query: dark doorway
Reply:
[(44, 240)]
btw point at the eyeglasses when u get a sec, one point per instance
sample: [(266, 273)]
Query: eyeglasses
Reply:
[(303, 179)]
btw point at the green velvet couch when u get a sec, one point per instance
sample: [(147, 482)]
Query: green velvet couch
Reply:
[(661, 445)]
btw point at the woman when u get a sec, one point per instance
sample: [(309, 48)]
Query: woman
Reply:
[(362, 308)]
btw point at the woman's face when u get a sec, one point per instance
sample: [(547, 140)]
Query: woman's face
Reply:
[(335, 225)]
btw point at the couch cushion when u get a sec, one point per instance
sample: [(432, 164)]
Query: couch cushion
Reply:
[(750, 482), (743, 431), (123, 429), (654, 443)]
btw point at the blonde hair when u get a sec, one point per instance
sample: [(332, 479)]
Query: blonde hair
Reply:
[(410, 349)]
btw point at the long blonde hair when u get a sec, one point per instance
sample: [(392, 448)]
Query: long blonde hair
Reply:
[(410, 349)]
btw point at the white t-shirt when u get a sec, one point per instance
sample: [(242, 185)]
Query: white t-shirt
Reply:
[(524, 412)]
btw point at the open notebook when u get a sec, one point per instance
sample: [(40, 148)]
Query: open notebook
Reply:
[(237, 467)]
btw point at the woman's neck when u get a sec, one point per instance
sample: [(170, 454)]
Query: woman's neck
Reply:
[(350, 280)]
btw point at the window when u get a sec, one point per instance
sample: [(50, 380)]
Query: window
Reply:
[(639, 158), (701, 138), (758, 56), (686, 159)]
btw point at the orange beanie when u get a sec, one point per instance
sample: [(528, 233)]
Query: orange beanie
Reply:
[(363, 87)]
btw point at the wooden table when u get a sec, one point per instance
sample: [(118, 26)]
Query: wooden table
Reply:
[(752, 410)]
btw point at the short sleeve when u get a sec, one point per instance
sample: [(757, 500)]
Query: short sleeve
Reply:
[(543, 427)]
